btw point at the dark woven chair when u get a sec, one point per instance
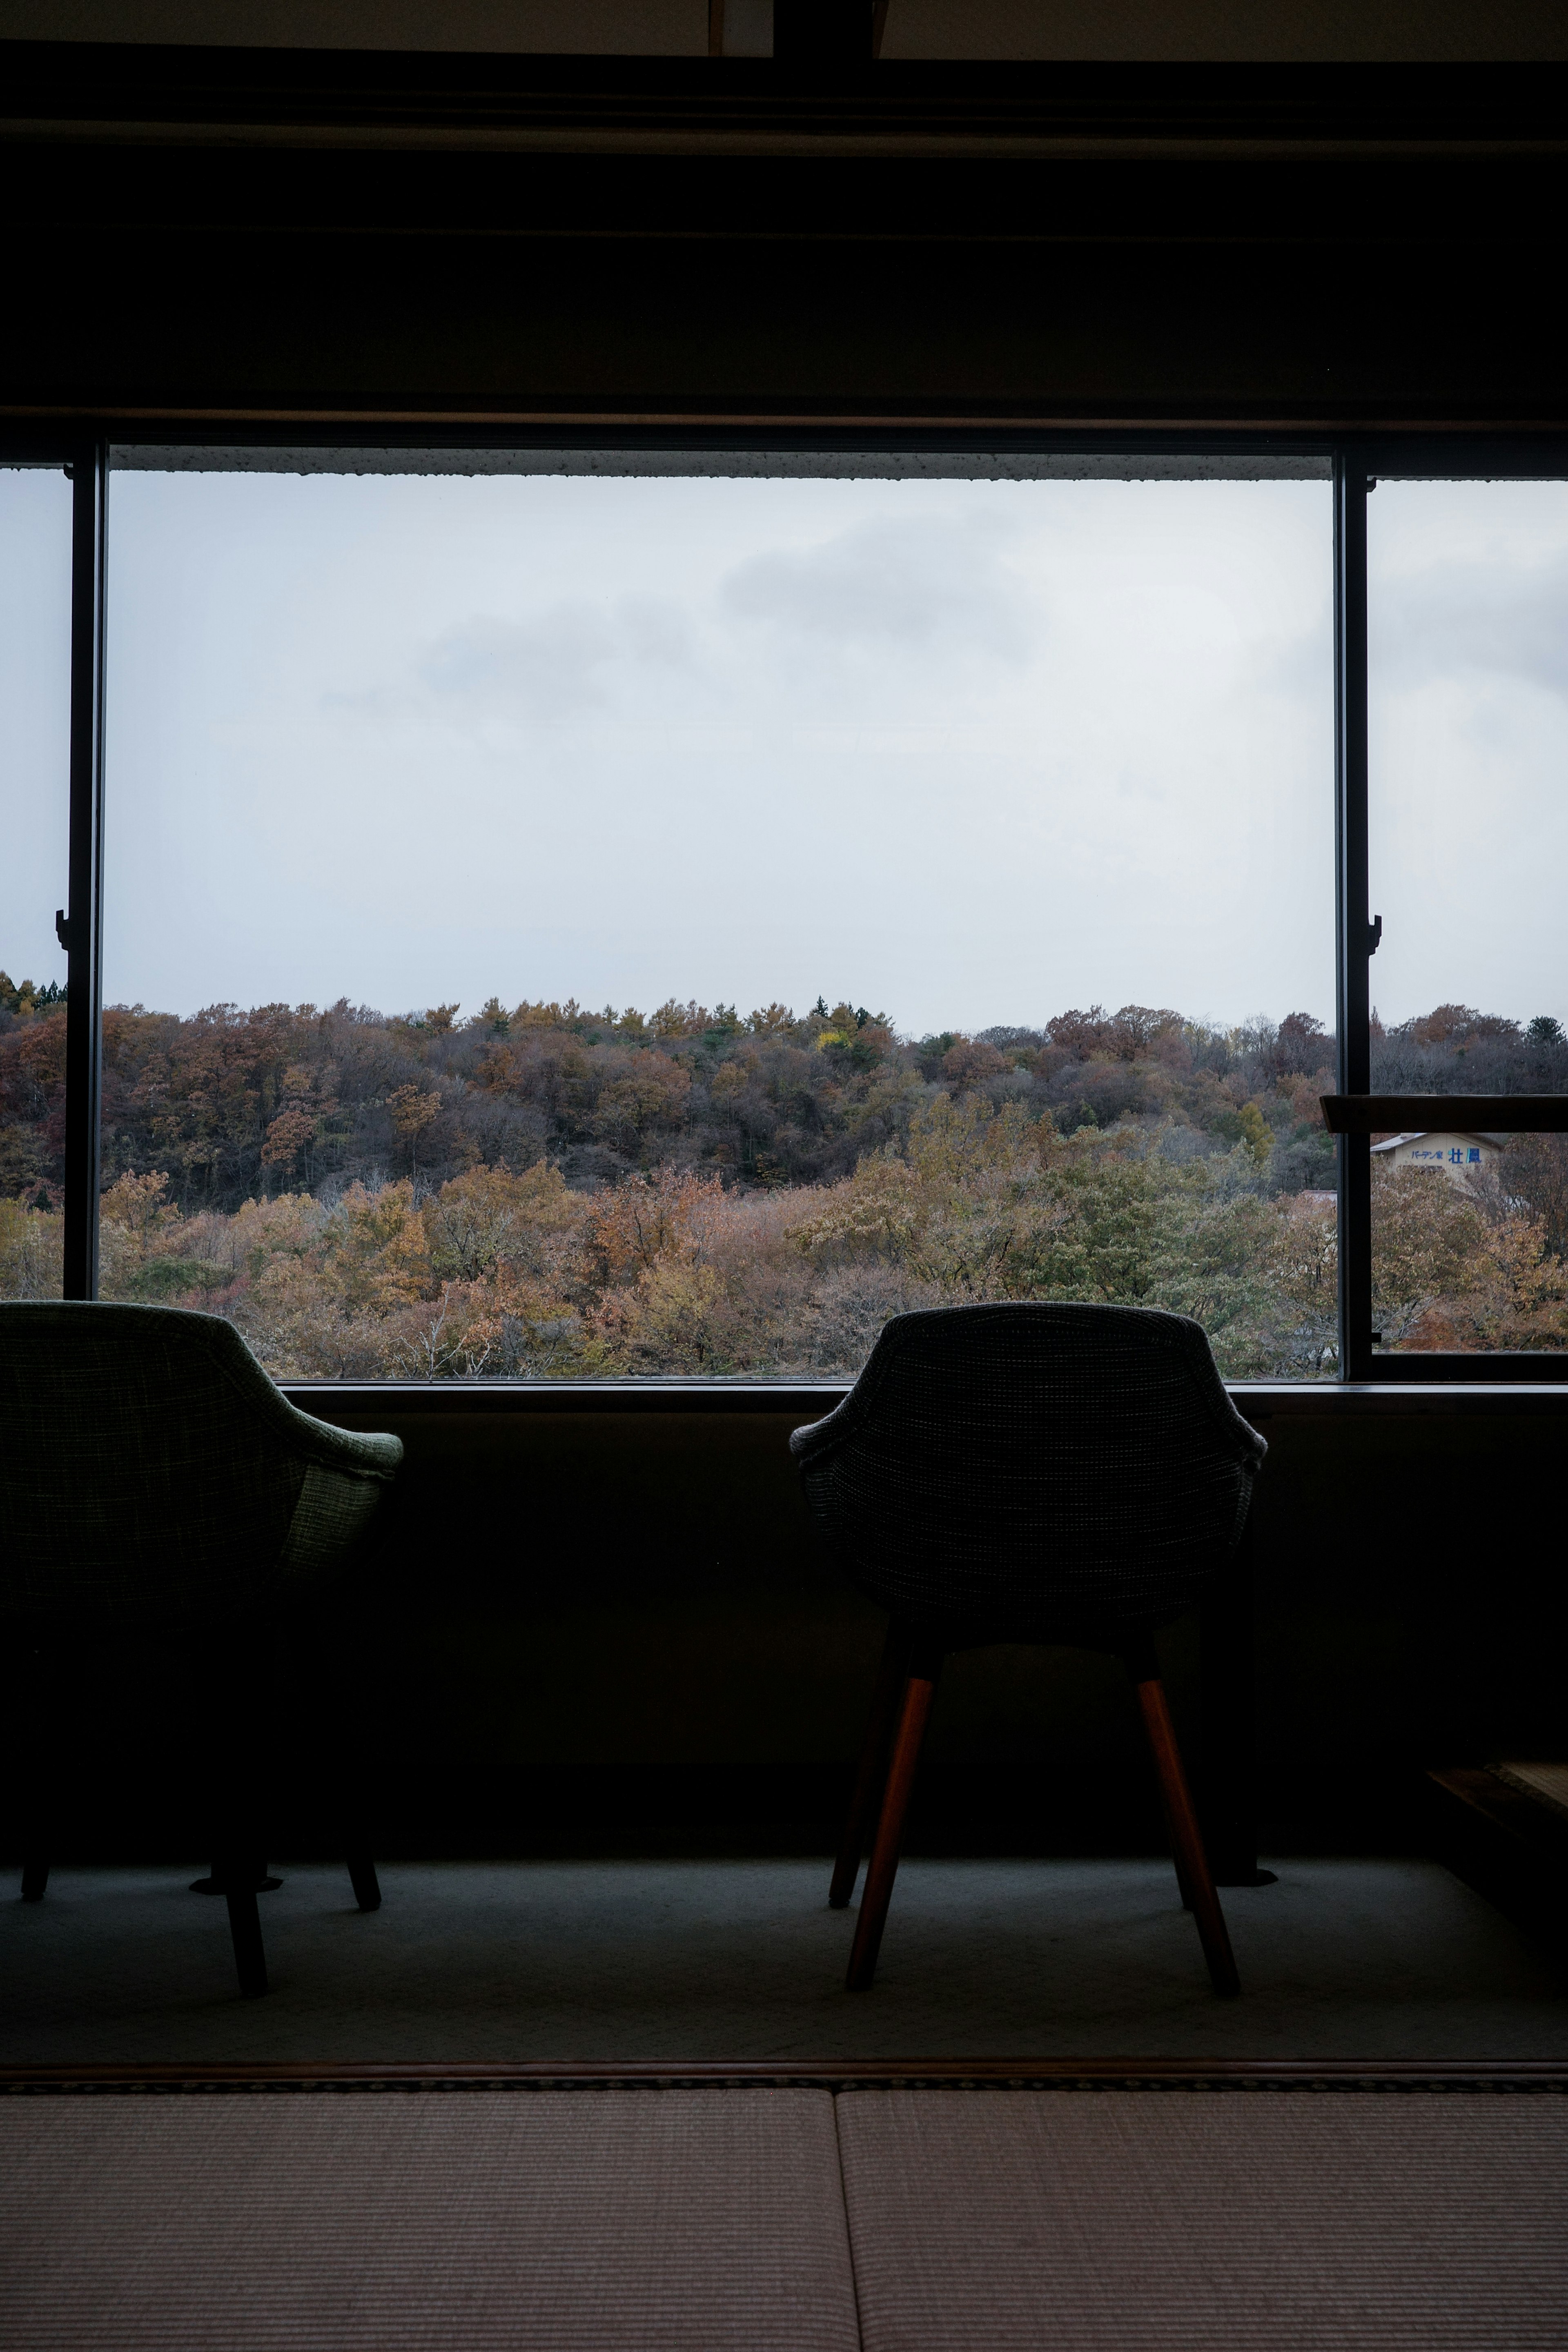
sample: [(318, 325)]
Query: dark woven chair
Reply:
[(156, 1485), (1071, 1475)]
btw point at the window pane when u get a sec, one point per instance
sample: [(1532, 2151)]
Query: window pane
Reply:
[(1468, 643), (35, 754), (584, 926)]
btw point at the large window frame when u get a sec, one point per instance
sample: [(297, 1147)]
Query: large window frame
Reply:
[(1356, 465)]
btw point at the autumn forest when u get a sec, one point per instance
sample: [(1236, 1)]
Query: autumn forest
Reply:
[(543, 1191)]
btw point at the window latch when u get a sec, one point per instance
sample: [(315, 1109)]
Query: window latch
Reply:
[(1373, 933), (63, 928)]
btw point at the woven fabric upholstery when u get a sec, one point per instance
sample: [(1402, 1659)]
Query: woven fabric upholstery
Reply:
[(1033, 1473), (151, 1476)]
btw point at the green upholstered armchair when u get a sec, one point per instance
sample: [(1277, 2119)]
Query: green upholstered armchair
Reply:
[(153, 1482)]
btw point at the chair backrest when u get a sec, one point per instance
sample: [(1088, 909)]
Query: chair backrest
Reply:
[(1031, 1472), (151, 1472)]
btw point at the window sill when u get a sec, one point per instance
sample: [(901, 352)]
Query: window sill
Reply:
[(809, 1400)]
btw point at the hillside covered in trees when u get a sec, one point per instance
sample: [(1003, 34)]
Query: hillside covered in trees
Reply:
[(546, 1191)]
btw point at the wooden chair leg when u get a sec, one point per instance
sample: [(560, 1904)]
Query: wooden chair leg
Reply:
[(1143, 1664), (1192, 1872), (1183, 1885), (245, 1927), (35, 1878), (914, 1713), (873, 1770), (366, 1883)]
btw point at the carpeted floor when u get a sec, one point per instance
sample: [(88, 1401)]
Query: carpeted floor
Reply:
[(736, 1960), (740, 2220)]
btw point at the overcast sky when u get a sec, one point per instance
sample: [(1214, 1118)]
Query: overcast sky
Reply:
[(968, 753), (35, 719), (1469, 641)]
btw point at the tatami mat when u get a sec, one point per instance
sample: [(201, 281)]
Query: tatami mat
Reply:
[(1170, 2220), (692, 2220), (1256, 2221)]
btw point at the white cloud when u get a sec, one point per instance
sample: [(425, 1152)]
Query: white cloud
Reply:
[(570, 658), (1465, 617), (935, 587)]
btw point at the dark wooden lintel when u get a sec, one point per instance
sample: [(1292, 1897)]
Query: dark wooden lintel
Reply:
[(1469, 1114)]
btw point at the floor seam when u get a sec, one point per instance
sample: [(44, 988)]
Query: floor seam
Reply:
[(848, 2227)]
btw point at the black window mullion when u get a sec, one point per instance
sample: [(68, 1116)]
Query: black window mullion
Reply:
[(83, 931), (1351, 906)]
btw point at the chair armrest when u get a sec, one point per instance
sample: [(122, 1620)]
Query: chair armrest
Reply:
[(374, 1453), (358, 1453), (819, 1437)]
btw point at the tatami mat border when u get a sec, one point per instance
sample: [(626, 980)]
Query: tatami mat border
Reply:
[(838, 2075)]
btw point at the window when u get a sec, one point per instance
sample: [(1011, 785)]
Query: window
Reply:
[(35, 758), (577, 914), (1468, 598)]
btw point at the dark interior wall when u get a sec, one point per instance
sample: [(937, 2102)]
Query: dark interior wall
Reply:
[(495, 27), (1297, 30), (590, 1631), (216, 236), (624, 1619), (1293, 30)]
